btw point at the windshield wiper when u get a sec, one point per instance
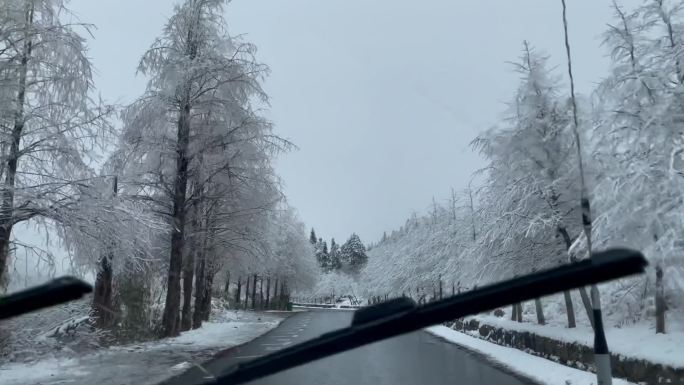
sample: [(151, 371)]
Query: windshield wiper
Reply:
[(401, 315), (55, 292)]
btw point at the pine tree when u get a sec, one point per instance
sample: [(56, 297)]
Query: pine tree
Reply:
[(318, 252), (325, 257), (353, 254), (312, 237), (335, 261)]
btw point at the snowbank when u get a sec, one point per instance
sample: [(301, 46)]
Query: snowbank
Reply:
[(539, 369), (636, 341)]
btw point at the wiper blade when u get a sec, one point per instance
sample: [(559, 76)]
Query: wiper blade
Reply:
[(55, 292), (399, 317)]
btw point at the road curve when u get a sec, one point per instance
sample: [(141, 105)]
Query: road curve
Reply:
[(415, 358)]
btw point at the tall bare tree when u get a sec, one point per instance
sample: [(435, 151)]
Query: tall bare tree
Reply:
[(48, 122)]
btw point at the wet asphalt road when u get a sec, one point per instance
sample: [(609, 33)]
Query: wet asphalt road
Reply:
[(415, 358)]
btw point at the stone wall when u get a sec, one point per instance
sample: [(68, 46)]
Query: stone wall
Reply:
[(573, 354)]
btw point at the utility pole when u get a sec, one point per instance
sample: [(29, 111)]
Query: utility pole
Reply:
[(604, 374)]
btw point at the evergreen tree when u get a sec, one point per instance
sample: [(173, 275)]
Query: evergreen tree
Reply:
[(353, 254), (322, 256), (335, 261), (312, 237), (317, 251), (325, 257)]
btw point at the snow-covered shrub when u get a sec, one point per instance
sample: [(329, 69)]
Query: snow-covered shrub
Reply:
[(59, 330)]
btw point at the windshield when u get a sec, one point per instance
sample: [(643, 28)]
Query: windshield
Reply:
[(347, 192)]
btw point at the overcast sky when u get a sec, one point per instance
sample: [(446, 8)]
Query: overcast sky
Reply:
[(382, 97)]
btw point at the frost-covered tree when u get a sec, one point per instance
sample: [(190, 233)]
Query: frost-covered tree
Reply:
[(113, 239), (637, 142), (527, 208), (195, 136), (353, 254), (48, 123), (293, 261), (531, 193), (530, 178)]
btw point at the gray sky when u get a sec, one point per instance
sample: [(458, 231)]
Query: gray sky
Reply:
[(382, 97)]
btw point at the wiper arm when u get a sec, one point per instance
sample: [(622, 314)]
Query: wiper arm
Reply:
[(52, 293), (401, 316)]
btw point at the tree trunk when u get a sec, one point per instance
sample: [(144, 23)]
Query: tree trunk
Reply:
[(570, 311), (205, 308), (238, 292), (519, 313), (282, 296), (254, 280), (7, 205), (587, 305), (261, 293), (472, 211), (226, 288), (268, 292), (102, 296), (440, 288), (583, 292), (171, 308), (188, 274), (514, 312), (660, 301), (180, 186), (247, 293), (275, 294), (200, 278), (540, 311)]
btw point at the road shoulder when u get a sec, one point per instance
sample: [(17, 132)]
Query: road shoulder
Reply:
[(146, 363), (536, 368)]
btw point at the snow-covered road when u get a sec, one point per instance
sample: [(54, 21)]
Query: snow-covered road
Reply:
[(147, 363)]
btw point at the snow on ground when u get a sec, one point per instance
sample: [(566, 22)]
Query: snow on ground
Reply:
[(536, 368), (637, 340), (146, 363), (307, 308)]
